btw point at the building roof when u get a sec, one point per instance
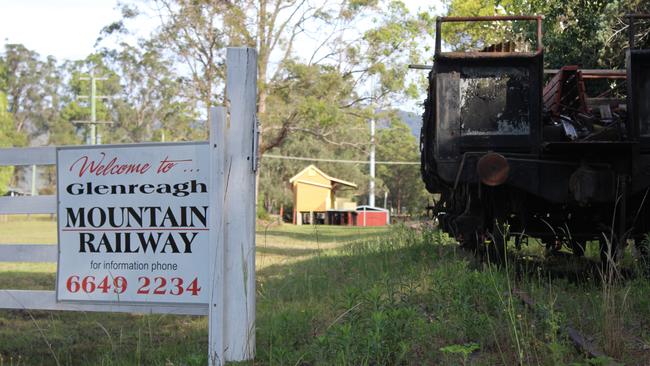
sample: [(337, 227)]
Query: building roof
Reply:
[(332, 179), (11, 191), (370, 208)]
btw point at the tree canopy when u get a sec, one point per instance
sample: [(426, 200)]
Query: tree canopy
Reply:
[(592, 34)]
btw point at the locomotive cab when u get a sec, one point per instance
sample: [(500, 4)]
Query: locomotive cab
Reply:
[(480, 101)]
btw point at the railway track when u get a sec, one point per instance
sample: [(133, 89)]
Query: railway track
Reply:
[(581, 343)]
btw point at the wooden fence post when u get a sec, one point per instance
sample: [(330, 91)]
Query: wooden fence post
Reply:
[(239, 204), (216, 311)]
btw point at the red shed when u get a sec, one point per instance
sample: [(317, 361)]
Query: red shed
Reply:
[(372, 216)]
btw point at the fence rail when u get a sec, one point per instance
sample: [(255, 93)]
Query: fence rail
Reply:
[(28, 205), (46, 300), (28, 156), (30, 253)]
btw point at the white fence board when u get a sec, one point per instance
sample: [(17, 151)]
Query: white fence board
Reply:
[(46, 300), (216, 345), (34, 253), (27, 205), (241, 89), (28, 156)]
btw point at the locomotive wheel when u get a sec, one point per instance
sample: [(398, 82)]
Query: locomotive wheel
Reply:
[(577, 247), (643, 249), (552, 245), (520, 240), (608, 253), (496, 249), (470, 241)]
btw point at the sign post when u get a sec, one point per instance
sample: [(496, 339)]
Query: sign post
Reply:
[(233, 162), (239, 230), (216, 305)]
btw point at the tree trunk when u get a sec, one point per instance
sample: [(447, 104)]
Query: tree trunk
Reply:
[(208, 104), (399, 201), (261, 108), (268, 205)]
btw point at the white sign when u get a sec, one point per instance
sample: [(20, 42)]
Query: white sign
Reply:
[(133, 223)]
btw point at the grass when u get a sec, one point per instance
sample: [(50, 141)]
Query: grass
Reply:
[(24, 229), (353, 296)]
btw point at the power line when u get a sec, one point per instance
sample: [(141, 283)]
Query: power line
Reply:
[(342, 161)]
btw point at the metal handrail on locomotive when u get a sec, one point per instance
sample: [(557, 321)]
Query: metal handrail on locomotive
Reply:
[(547, 160)]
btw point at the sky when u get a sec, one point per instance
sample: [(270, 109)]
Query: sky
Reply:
[(68, 29), (65, 29)]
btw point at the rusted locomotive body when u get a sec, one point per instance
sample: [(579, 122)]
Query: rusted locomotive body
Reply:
[(501, 147)]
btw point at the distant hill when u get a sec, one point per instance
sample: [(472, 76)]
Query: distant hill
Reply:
[(413, 120)]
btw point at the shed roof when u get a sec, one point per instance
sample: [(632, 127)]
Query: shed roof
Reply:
[(323, 174), (370, 208)]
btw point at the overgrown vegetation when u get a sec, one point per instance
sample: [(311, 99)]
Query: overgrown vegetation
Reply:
[(359, 296)]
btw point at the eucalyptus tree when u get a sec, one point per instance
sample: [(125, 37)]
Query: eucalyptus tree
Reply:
[(311, 97), (591, 34), (403, 182), (7, 133), (613, 32), (152, 102), (33, 88), (315, 62), (32, 94), (360, 38)]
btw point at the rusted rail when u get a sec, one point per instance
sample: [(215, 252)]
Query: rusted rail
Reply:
[(586, 73), (596, 73), (581, 343)]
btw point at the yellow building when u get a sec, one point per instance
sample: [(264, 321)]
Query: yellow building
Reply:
[(314, 195)]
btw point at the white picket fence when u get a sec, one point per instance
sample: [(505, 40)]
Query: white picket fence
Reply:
[(233, 146)]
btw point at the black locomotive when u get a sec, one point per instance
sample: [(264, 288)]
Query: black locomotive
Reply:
[(509, 153)]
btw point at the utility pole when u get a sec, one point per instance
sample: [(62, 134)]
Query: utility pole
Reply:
[(94, 138), (33, 180), (371, 191), (371, 188)]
